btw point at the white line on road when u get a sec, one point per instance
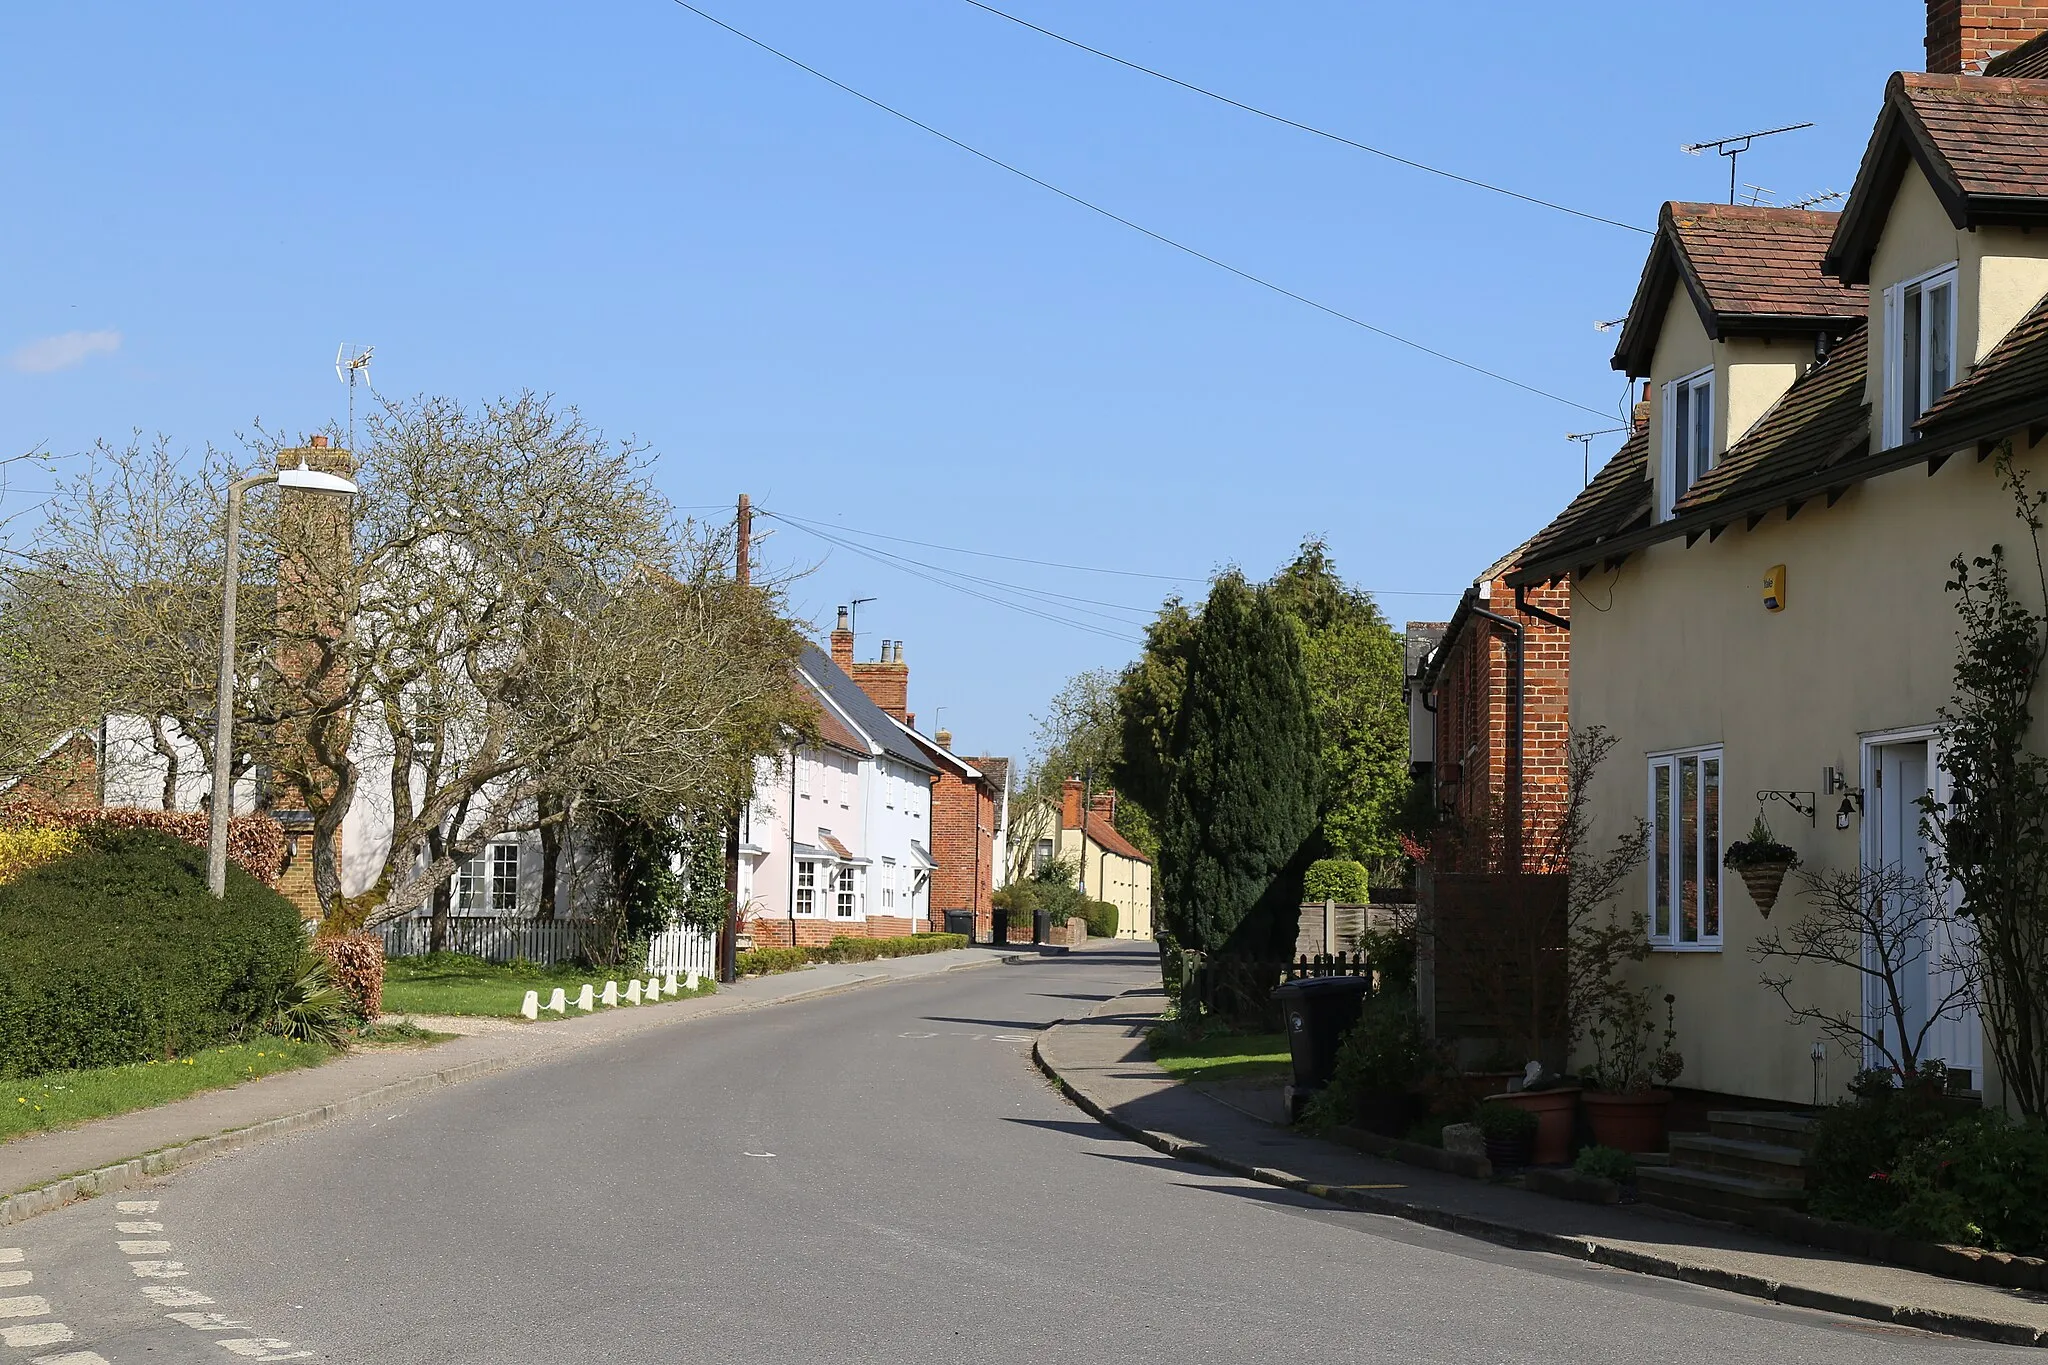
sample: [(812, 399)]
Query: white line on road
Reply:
[(136, 1206), (72, 1358), (37, 1334), (159, 1270), (138, 1227), (264, 1348), (10, 1278), (25, 1306), (10, 1256), (174, 1296), (143, 1248), (209, 1322)]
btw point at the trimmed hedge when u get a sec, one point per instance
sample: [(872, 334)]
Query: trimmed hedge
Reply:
[(1336, 879), (844, 948), (1101, 918), (257, 843), (117, 954)]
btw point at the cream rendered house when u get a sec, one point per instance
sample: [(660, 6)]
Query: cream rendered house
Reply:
[(1081, 831), (1791, 441)]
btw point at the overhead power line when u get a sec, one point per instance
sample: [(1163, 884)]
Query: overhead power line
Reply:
[(1139, 228), (1310, 128)]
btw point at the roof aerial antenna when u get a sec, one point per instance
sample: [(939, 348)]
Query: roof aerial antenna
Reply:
[(853, 617), (1760, 197), (1610, 324), (1824, 197), (1585, 440), (348, 363), (1732, 147)]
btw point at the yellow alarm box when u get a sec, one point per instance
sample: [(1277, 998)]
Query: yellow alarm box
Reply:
[(1774, 588)]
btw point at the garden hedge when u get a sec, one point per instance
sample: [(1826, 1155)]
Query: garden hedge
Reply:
[(844, 948), (117, 953), (1101, 918)]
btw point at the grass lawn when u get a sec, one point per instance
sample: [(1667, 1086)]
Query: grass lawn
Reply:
[(455, 984), (61, 1098), (1221, 1056)]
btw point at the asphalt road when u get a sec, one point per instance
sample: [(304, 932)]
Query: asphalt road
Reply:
[(878, 1176)]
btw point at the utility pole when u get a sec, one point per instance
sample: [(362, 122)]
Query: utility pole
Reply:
[(728, 934)]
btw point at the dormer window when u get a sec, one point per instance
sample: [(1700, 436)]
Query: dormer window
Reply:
[(1920, 349), (1688, 436)]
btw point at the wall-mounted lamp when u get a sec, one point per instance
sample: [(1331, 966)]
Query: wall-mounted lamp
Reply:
[(1834, 780), (1842, 816)]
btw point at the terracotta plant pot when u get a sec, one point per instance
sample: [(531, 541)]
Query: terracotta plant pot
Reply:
[(1556, 1112), (1763, 881), (1630, 1123)]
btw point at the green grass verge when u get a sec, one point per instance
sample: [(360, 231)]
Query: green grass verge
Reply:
[(58, 1099), (1221, 1056), (455, 984)]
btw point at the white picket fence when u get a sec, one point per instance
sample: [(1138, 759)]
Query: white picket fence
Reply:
[(683, 950)]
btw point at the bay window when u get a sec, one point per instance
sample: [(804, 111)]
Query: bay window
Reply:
[(1685, 849), (845, 899), (806, 888)]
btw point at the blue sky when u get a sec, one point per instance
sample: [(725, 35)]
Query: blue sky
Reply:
[(789, 293)]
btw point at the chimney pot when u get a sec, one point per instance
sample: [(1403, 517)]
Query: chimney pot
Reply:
[(842, 620), (318, 443), (945, 739)]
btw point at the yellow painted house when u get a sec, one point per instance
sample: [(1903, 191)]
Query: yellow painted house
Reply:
[(1081, 831), (1759, 610)]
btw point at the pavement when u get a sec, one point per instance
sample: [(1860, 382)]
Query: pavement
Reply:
[(373, 1077), (1102, 1063), (873, 1176)]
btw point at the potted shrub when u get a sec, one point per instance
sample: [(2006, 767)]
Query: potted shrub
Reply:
[(1510, 1134), (1626, 1108), (1762, 862), (1555, 1111)]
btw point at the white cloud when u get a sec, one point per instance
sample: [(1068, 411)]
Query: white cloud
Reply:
[(62, 351)]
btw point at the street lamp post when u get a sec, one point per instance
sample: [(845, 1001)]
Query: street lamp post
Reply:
[(307, 481)]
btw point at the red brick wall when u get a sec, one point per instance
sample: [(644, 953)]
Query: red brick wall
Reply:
[(1963, 34), (811, 933), (68, 779), (963, 845), (1475, 721)]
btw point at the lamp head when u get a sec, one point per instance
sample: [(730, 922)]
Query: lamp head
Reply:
[(308, 480)]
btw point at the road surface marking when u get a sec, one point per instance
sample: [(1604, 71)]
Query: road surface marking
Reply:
[(37, 1334), (757, 1154), (136, 1206), (143, 1248), (174, 1296), (25, 1306), (10, 1256), (159, 1270), (11, 1278), (263, 1348), (72, 1358), (209, 1322), (138, 1227)]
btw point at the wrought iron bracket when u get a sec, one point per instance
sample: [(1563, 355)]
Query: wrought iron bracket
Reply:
[(1809, 807)]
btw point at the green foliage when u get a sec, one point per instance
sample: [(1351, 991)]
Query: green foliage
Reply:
[(1606, 1163), (652, 893), (1051, 889), (1391, 951), (1148, 699), (764, 961), (1858, 1143), (1336, 879), (1218, 1054), (1386, 1052), (844, 948), (1240, 818), (1504, 1122), (117, 953), (309, 1008), (1992, 833), (1628, 1053), (1100, 917), (58, 1099)]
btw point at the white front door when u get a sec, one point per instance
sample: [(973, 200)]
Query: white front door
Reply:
[(1898, 771)]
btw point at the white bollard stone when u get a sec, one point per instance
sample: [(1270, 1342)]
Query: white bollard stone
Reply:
[(529, 1008), (654, 988), (693, 982), (611, 994), (633, 991), (671, 983), (559, 1001), (586, 999)]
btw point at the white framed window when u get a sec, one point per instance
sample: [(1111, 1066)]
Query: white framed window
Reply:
[(1688, 437), (1041, 855), (1920, 349), (803, 776), (844, 901), (845, 786), (488, 882), (889, 885), (806, 888), (1685, 849)]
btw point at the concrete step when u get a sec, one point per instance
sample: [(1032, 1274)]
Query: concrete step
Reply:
[(1711, 1194), (1770, 1161), (1780, 1127)]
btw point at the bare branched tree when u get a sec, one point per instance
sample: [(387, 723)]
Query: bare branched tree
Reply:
[(1893, 929)]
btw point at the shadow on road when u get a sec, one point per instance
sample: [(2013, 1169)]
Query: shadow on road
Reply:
[(989, 1023)]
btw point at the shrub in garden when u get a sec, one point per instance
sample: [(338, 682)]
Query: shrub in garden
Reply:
[(761, 961), (1606, 1163), (256, 843), (26, 847), (355, 963), (1100, 917), (1858, 1143), (1982, 1180), (845, 948), (1336, 879), (1505, 1122), (1383, 1065), (117, 953)]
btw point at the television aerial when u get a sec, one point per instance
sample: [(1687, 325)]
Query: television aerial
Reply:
[(349, 362)]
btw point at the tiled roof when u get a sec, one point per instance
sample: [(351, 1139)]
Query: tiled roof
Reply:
[(1420, 638), (1104, 835), (1992, 131), (838, 849), (2028, 61), (1981, 142), (996, 770), (836, 732), (1617, 499), (2015, 372), (1748, 270), (867, 717), (1820, 421)]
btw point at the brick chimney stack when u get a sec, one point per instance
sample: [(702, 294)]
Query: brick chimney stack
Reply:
[(1962, 35), (886, 681), (945, 740), (842, 642), (1104, 805), (1070, 803)]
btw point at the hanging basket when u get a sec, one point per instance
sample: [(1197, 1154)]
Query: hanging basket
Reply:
[(1764, 881)]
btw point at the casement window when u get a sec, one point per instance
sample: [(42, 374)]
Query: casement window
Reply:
[(1688, 437), (806, 888), (889, 885), (488, 883), (1685, 849), (844, 906), (1041, 856), (803, 776), (1920, 349), (845, 786)]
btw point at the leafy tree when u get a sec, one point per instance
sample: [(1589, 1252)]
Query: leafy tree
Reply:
[(1240, 817), (1147, 700), (1081, 733)]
